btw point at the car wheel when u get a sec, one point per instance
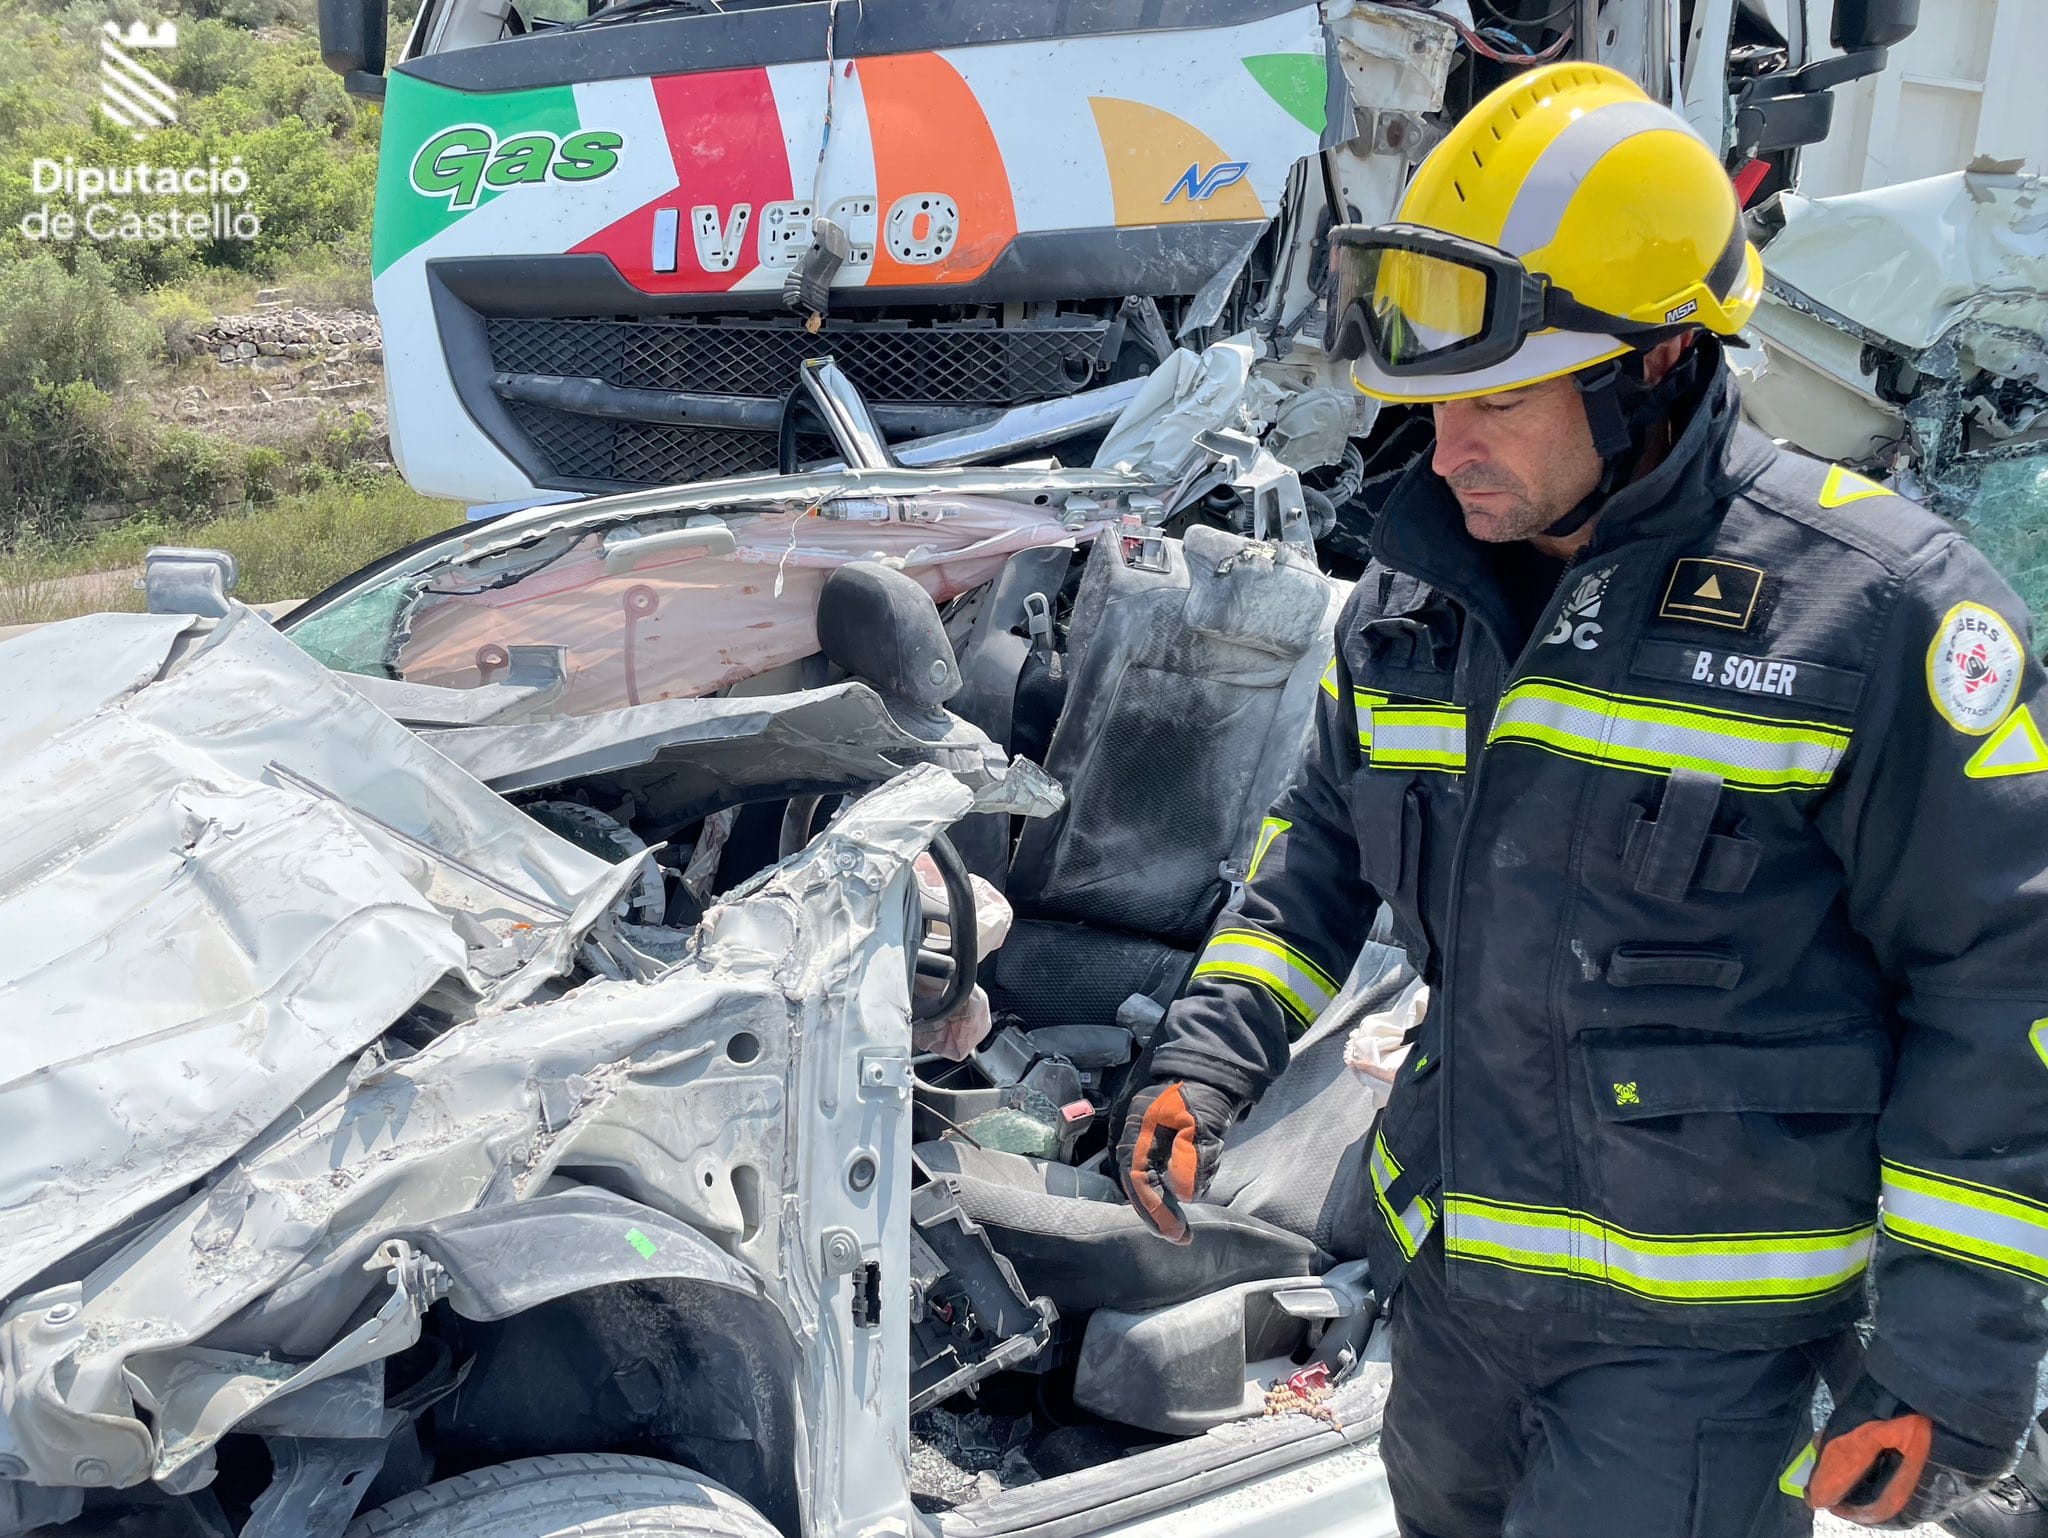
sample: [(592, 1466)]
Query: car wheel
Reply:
[(568, 1495)]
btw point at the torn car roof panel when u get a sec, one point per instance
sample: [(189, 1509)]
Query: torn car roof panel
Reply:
[(224, 873)]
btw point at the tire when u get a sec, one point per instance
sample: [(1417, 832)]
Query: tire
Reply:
[(568, 1495)]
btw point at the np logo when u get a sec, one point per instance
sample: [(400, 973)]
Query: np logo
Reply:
[(1576, 624), (460, 164), (1201, 186)]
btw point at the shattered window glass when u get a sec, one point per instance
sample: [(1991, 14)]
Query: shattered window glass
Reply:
[(2006, 517), (355, 637)]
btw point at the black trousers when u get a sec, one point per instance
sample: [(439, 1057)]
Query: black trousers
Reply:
[(1493, 1431)]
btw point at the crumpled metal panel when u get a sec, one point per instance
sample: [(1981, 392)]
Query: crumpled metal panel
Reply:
[(1186, 396), (58, 675), (716, 752), (789, 1007), (1929, 357), (1969, 245), (222, 873)]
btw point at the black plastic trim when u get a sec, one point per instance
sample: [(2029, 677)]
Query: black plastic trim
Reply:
[(466, 346), (1157, 261), (791, 34)]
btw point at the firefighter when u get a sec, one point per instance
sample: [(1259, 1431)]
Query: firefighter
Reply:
[(1707, 787)]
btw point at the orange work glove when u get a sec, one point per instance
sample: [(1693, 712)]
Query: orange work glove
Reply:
[(1885, 1466), (1173, 1136)]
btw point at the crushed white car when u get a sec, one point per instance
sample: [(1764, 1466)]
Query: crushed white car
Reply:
[(467, 1077)]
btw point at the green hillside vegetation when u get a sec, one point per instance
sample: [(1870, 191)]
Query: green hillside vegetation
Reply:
[(290, 548), (96, 334)]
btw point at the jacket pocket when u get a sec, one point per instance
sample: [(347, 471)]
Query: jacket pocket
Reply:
[(1641, 1073), (1757, 1158), (1376, 798), (1390, 816)]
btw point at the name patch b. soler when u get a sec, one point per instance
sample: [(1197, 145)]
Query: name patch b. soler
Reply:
[(1973, 668), (1738, 673)]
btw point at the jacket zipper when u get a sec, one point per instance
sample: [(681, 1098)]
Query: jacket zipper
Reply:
[(1445, 1063)]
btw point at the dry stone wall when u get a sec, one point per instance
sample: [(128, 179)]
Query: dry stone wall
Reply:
[(271, 337)]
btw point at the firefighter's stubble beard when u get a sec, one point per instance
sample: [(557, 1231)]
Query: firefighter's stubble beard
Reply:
[(1517, 462)]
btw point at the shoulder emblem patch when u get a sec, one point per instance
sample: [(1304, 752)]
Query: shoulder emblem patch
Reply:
[(1712, 592), (1973, 668), (1847, 486), (2014, 747)]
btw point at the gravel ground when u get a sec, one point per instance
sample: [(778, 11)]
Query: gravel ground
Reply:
[(1825, 1526)]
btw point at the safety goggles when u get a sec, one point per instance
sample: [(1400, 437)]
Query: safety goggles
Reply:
[(1424, 302)]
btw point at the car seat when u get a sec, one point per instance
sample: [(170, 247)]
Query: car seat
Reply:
[(1191, 689), (1289, 1197)]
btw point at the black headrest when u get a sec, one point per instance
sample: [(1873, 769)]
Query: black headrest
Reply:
[(884, 629)]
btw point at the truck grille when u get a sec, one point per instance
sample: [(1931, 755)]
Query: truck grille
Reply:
[(964, 365)]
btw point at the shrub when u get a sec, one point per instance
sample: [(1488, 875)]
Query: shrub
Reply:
[(180, 321), (57, 326), (194, 473), (294, 83), (62, 446), (211, 54), (263, 474), (297, 14), (309, 148)]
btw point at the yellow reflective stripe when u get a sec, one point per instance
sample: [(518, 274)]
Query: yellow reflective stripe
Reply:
[(1800, 1470), (1363, 704), (1418, 737), (1655, 736), (1669, 1268), (1269, 830), (1965, 1220), (1412, 1224), (1251, 957)]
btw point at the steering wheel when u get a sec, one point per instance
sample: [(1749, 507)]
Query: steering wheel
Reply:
[(961, 955)]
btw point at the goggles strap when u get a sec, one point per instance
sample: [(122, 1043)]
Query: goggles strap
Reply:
[(1620, 408), (1600, 387)]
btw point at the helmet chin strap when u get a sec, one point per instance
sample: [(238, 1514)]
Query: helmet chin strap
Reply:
[(1621, 408)]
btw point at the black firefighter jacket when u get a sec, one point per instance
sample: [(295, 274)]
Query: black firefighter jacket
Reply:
[(1728, 883)]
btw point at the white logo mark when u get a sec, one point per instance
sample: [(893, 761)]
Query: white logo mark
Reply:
[(1575, 623), (131, 94)]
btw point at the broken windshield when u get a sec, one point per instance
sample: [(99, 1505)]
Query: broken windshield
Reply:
[(2005, 515)]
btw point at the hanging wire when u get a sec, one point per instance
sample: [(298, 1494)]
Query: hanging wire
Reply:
[(1538, 21), (1477, 42)]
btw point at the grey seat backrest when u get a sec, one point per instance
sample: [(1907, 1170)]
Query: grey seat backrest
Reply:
[(1191, 693), (1298, 1159)]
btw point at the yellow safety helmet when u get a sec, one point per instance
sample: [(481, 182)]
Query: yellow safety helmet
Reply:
[(1567, 219)]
